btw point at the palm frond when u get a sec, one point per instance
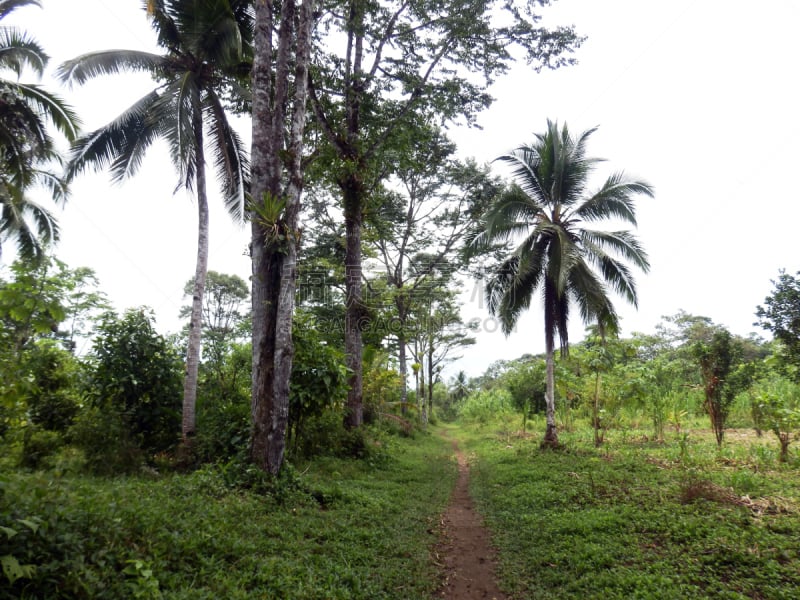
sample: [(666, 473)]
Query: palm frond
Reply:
[(19, 51), (614, 199), (230, 157), (614, 272), (525, 162), (51, 106), (109, 62), (502, 297), (590, 294), (180, 117), (22, 131), (624, 243), (55, 185), (9, 6), (119, 144), (25, 222), (167, 33)]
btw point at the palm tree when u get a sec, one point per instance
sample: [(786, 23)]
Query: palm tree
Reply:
[(26, 148), (205, 44), (546, 213)]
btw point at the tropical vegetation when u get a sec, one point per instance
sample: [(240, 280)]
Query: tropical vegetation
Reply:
[(28, 154), (305, 450), (547, 215), (206, 46)]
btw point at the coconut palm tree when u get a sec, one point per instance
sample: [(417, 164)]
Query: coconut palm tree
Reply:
[(547, 214), (206, 44), (27, 150)]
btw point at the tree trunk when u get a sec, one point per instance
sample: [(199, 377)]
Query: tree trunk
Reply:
[(430, 380), (188, 424), (402, 357), (596, 411), (551, 433), (785, 439), (274, 256), (354, 310), (550, 319)]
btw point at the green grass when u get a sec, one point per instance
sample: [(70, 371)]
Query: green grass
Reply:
[(632, 519), (638, 519), (347, 529)]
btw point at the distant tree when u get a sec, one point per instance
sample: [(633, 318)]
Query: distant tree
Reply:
[(420, 227), (780, 314), (381, 75), (224, 315), (206, 46), (718, 358), (548, 211), (27, 151)]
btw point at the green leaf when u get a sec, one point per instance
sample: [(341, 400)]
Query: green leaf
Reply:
[(13, 570), (33, 526)]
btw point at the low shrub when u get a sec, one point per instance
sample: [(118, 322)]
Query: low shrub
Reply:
[(484, 405), (105, 439), (38, 447)]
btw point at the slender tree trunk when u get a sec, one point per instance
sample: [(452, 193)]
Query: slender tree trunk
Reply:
[(354, 310), (188, 425), (596, 410), (551, 433), (354, 199), (402, 359), (430, 380), (550, 319)]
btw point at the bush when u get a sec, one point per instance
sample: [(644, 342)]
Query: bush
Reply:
[(137, 376), (38, 446), (52, 395), (485, 405), (223, 429), (105, 438)]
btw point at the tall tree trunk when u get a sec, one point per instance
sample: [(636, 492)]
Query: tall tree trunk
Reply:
[(188, 425), (430, 380), (596, 410), (354, 309), (274, 258), (354, 197), (402, 357), (550, 319), (402, 360), (551, 433)]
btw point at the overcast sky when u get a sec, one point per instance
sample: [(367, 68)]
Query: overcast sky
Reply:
[(699, 98)]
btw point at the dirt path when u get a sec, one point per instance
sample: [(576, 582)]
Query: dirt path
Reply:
[(465, 553)]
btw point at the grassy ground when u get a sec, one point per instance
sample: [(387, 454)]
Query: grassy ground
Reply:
[(638, 519), (341, 529)]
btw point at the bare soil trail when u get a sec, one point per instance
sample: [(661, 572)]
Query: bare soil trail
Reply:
[(465, 554)]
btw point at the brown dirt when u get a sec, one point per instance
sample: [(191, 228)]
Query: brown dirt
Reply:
[(465, 554)]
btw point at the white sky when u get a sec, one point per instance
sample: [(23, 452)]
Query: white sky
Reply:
[(699, 98)]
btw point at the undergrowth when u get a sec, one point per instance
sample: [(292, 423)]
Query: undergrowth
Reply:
[(638, 518), (332, 528)]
